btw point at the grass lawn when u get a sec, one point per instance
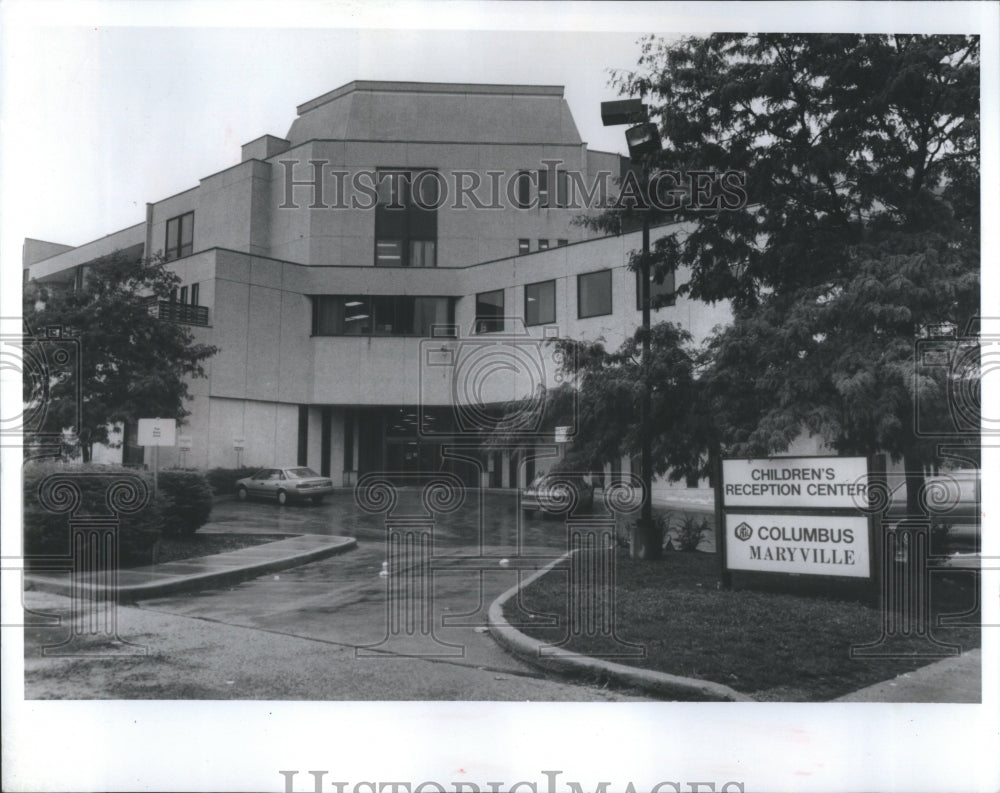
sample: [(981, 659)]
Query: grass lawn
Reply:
[(773, 647)]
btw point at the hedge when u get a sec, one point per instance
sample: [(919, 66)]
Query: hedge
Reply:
[(46, 529), (186, 498), (223, 480)]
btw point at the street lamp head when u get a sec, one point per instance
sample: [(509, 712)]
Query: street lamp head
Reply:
[(642, 139), (623, 111)]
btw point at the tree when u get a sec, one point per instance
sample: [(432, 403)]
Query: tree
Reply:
[(860, 161), (601, 397), (132, 364)]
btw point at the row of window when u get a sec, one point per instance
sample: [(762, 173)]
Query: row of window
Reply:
[(593, 299), (524, 245), (181, 294), (380, 315)]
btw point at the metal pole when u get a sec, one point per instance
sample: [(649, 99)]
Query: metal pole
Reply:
[(648, 545)]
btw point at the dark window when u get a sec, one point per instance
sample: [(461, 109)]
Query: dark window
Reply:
[(302, 453), (523, 246), (593, 294), (523, 189), (655, 290), (543, 189), (382, 315), (325, 439), (562, 189), (489, 311), (194, 294), (349, 440), (183, 296), (180, 236), (562, 243), (540, 303), (543, 245), (406, 223)]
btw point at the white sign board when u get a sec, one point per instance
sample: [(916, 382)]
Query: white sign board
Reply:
[(184, 443), (157, 432), (805, 544), (562, 434), (239, 443), (810, 482)]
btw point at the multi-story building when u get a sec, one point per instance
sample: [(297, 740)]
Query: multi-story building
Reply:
[(396, 259)]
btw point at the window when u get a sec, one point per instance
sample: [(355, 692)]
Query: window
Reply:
[(523, 246), (562, 189), (543, 189), (406, 221), (655, 290), (489, 311), (523, 190), (184, 295), (180, 236), (194, 294), (380, 315), (543, 245), (562, 243), (540, 303), (593, 294)]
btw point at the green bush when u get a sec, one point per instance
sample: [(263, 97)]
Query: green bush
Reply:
[(223, 480), (689, 531), (47, 529), (186, 498)]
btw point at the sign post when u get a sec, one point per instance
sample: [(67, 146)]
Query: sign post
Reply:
[(157, 433), (784, 519), (238, 443)]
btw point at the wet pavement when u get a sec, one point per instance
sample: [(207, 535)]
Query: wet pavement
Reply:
[(338, 628)]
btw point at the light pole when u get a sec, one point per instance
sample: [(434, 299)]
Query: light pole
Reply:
[(643, 138)]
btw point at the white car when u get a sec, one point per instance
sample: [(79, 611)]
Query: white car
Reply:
[(295, 483)]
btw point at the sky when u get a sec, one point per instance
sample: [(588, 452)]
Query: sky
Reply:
[(107, 105)]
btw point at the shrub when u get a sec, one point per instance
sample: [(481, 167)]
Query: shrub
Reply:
[(186, 501), (47, 531), (689, 531), (223, 480)]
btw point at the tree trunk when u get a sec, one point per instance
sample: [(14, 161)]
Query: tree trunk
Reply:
[(87, 450)]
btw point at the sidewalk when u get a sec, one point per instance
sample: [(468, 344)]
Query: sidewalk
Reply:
[(957, 679), (165, 579)]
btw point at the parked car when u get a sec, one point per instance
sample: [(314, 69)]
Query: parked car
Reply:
[(294, 483), (952, 503), (550, 494)]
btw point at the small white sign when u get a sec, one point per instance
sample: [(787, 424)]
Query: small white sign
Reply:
[(184, 443), (805, 544), (157, 432), (810, 482), (562, 434), (239, 443)]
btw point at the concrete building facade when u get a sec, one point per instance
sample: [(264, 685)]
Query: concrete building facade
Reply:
[(401, 254)]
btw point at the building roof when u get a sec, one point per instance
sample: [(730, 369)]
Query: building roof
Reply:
[(437, 112)]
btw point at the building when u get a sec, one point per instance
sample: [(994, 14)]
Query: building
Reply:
[(383, 273)]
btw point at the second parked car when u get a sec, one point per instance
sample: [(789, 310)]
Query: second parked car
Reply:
[(294, 483), (556, 494)]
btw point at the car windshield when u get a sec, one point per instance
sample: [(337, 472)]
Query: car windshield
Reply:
[(302, 473)]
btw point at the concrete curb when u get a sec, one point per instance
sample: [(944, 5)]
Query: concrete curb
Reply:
[(659, 684), (171, 584)]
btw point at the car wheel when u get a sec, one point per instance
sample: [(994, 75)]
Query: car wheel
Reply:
[(282, 497), (241, 493), (317, 499)]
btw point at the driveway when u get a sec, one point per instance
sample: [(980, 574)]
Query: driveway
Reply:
[(333, 629)]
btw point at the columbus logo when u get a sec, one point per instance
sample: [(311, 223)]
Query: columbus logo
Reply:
[(743, 531)]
